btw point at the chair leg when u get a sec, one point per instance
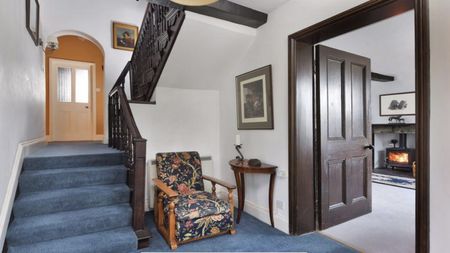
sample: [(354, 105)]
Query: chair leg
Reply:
[(231, 200), (172, 239)]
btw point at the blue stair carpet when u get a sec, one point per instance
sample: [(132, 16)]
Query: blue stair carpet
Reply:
[(252, 236), (72, 198)]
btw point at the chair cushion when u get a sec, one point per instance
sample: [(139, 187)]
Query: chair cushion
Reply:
[(197, 205), (181, 171), (200, 214)]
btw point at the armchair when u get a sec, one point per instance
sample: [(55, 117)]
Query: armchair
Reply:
[(184, 211)]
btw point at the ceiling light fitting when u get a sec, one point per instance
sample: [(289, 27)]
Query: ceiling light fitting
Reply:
[(194, 2)]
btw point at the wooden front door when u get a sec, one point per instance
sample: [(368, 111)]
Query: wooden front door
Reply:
[(344, 124), (71, 100)]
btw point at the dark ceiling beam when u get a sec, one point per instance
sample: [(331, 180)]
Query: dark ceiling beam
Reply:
[(382, 78), (224, 10)]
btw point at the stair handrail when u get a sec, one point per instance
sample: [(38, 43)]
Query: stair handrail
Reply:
[(124, 135), (158, 33), (159, 30)]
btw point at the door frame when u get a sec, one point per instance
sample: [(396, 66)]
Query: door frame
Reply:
[(303, 148), (92, 95)]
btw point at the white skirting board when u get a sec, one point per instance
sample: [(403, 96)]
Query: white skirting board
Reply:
[(23, 149), (261, 213)]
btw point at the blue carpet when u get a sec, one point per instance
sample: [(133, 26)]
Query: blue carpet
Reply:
[(73, 198), (252, 235)]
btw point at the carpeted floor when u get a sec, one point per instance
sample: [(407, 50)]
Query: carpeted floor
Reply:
[(390, 228), (252, 235)]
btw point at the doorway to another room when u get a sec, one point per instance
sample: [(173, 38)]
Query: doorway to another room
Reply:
[(75, 90), (332, 132), (71, 105)]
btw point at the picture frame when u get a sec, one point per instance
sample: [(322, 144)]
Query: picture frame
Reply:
[(124, 36), (254, 101), (398, 104), (32, 12)]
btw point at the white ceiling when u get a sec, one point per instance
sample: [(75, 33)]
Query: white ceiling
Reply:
[(261, 5)]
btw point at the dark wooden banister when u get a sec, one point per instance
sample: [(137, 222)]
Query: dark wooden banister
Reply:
[(158, 33), (124, 135)]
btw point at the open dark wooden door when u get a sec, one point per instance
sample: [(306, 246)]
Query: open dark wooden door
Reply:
[(343, 109)]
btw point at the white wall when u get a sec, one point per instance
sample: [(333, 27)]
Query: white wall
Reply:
[(22, 87), (390, 46), (94, 18), (440, 125), (181, 120)]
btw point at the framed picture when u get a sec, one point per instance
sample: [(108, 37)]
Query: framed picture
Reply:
[(398, 104), (124, 36), (254, 99), (32, 19)]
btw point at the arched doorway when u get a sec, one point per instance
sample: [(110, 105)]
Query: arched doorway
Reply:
[(69, 115)]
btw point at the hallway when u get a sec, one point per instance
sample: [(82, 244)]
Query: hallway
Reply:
[(388, 229)]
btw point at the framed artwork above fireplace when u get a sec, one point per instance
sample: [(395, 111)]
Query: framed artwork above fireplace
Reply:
[(398, 104)]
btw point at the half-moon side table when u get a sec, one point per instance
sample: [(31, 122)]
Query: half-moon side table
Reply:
[(240, 168)]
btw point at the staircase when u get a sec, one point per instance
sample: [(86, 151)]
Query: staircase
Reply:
[(85, 198), (73, 202)]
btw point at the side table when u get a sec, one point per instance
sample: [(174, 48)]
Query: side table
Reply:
[(241, 167)]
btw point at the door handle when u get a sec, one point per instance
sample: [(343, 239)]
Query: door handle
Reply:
[(87, 107), (370, 146)]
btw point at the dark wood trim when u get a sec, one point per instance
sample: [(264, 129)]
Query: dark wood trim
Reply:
[(377, 77), (302, 124), (422, 40), (301, 138), (224, 10), (34, 34)]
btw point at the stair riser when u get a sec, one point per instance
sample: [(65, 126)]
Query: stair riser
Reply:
[(70, 227), (40, 163), (76, 201), (69, 179)]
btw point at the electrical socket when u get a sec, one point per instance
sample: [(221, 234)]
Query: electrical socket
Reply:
[(282, 174)]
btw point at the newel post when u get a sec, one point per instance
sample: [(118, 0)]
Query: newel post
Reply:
[(138, 196)]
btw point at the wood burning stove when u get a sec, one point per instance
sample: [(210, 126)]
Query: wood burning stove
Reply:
[(402, 156)]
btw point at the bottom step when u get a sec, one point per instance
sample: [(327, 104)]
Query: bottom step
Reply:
[(121, 240)]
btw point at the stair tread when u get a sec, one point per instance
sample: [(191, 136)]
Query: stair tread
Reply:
[(54, 179), (69, 223), (73, 169), (120, 240), (70, 161), (41, 202)]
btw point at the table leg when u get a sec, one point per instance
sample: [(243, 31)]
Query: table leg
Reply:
[(239, 190), (271, 186), (242, 176)]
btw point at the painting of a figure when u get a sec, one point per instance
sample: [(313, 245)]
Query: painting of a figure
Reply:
[(124, 36), (254, 99)]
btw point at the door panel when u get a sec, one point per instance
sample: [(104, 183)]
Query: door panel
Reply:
[(71, 101), (343, 99)]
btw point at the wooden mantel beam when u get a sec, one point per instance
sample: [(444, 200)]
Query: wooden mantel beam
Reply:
[(225, 10)]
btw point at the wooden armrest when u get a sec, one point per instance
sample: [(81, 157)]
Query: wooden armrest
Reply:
[(164, 188), (219, 182)]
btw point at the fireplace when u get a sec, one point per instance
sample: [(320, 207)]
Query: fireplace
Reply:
[(401, 156)]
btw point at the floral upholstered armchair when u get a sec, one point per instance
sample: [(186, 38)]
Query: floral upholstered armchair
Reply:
[(184, 210)]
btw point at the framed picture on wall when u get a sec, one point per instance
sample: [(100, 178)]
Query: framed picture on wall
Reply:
[(124, 36), (398, 104), (32, 19), (254, 99)]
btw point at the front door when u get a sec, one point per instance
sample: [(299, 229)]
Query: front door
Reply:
[(71, 100), (344, 124)]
